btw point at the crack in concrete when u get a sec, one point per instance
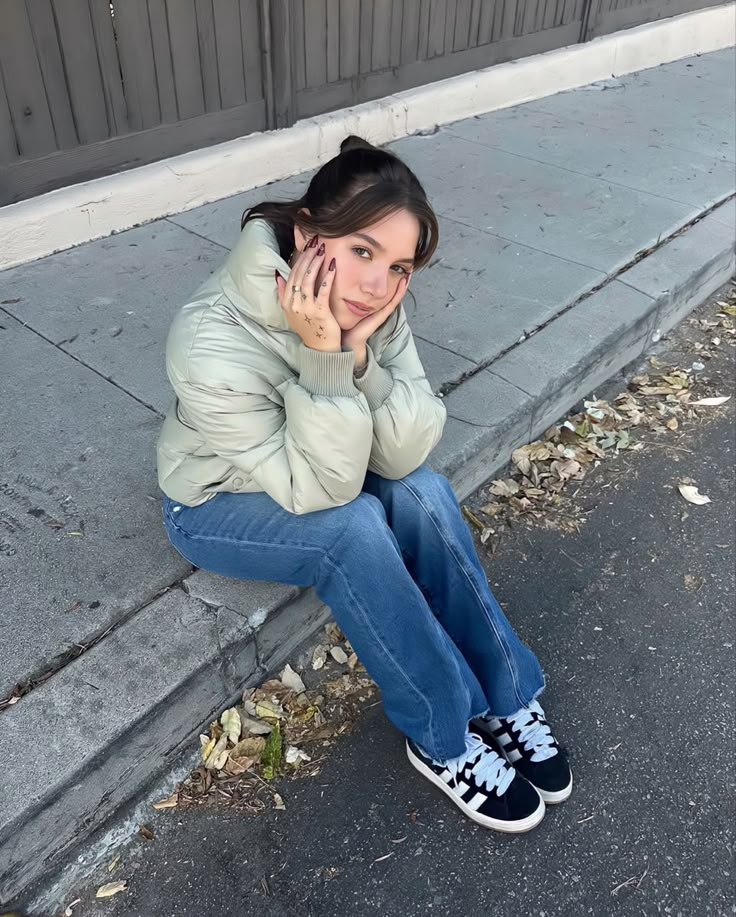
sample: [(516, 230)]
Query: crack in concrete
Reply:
[(66, 353), (450, 386), (40, 675), (194, 233)]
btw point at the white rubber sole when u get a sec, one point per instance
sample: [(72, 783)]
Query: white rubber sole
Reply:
[(495, 824)]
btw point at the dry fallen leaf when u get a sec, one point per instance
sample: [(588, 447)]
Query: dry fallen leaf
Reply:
[(712, 402), (250, 747), (292, 680), (691, 494), (230, 722), (169, 803), (110, 888), (319, 657), (255, 727), (295, 755), (218, 756)]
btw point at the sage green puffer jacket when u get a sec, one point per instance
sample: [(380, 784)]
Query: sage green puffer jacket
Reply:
[(256, 410)]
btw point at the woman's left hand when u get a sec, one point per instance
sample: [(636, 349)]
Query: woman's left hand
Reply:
[(358, 335)]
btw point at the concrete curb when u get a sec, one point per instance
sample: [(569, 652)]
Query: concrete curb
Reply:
[(189, 654), (90, 210)]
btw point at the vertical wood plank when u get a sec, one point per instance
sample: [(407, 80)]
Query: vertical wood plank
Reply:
[(77, 41), (450, 18), (333, 41), (397, 20), (281, 48), (349, 37), (365, 36), (485, 26), (461, 35), (410, 31), (208, 54), (299, 43), (381, 43), (107, 55), (185, 57), (161, 47), (315, 42), (136, 61), (34, 129), (46, 40), (529, 12), (425, 13), (474, 23), (8, 146), (509, 19), (436, 40), (229, 44), (252, 32)]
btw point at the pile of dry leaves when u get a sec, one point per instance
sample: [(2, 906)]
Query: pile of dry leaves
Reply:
[(657, 402), (280, 728)]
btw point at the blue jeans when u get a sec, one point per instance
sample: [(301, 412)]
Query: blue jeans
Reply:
[(399, 571)]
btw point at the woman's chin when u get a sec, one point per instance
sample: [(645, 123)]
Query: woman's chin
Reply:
[(346, 321)]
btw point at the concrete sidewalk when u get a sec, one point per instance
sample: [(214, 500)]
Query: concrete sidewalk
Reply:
[(574, 231)]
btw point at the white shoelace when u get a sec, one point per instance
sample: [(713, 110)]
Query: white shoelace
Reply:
[(535, 735), (489, 770)]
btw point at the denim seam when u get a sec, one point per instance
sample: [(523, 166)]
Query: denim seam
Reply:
[(450, 548), (367, 623)]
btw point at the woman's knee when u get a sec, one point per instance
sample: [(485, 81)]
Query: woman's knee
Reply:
[(425, 484), (365, 511)]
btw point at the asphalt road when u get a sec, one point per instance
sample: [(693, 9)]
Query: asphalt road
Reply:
[(640, 674)]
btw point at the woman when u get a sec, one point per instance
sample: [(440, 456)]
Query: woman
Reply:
[(295, 453)]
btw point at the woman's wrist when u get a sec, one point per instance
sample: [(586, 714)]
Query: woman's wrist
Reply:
[(361, 361)]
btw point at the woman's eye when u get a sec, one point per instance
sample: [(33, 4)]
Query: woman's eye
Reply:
[(359, 248)]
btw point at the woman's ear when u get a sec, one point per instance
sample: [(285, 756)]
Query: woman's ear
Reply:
[(300, 238)]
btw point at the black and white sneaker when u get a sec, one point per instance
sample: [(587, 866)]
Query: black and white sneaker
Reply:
[(526, 742), (483, 785)]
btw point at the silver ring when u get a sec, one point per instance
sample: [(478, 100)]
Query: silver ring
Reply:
[(296, 289)]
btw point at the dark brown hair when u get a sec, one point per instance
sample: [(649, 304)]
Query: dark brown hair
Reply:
[(358, 187)]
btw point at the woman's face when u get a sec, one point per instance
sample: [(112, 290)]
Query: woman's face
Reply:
[(369, 264)]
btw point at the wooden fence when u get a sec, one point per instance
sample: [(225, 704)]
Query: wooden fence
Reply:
[(89, 87)]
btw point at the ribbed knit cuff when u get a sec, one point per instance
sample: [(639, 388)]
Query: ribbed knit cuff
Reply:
[(326, 372), (376, 382)]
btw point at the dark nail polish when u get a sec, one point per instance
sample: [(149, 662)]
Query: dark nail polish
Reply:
[(321, 249), (312, 242), (332, 265)]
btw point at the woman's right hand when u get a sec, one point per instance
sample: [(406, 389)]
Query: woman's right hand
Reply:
[(308, 309)]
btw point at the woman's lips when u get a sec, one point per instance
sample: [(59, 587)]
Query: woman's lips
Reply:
[(356, 310)]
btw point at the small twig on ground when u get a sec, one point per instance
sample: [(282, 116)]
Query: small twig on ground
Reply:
[(633, 882)]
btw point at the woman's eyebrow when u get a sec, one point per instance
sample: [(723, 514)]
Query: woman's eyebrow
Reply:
[(380, 248)]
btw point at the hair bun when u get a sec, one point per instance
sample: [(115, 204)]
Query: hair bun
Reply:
[(354, 142)]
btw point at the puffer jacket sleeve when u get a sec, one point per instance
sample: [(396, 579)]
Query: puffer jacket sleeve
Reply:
[(408, 419), (311, 453)]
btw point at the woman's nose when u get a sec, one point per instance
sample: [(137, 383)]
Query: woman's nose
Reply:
[(375, 284)]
